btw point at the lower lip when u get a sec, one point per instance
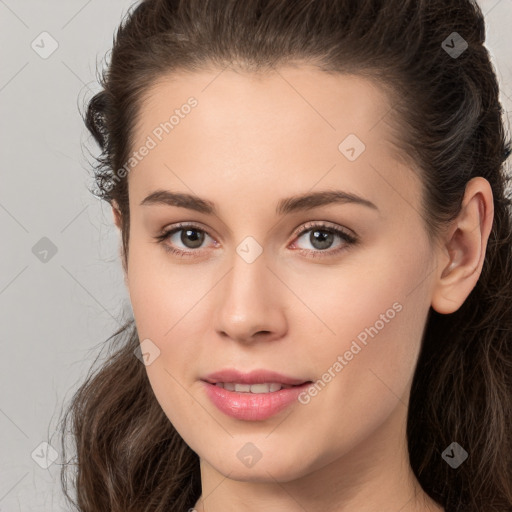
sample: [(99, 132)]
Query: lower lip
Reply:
[(253, 406)]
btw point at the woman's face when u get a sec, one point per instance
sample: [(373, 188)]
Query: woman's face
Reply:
[(264, 283)]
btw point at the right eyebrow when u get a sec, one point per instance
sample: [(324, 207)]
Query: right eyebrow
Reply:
[(181, 200)]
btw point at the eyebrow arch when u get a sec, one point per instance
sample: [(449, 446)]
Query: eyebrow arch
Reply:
[(291, 204)]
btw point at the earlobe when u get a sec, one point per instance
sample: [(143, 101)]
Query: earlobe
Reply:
[(462, 254)]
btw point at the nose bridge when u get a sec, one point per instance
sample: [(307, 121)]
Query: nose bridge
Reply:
[(248, 279), (248, 302)]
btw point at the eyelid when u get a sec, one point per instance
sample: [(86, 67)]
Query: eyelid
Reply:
[(323, 224), (183, 225)]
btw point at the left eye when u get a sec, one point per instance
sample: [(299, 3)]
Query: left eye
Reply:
[(322, 237)]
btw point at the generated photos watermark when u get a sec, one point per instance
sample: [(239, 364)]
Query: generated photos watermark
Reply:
[(342, 360)]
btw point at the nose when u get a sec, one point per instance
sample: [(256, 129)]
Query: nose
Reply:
[(251, 303)]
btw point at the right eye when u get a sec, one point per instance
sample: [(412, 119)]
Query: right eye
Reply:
[(190, 235)]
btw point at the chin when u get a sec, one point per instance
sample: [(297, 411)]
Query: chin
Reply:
[(265, 472)]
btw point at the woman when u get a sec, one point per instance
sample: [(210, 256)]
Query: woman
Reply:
[(317, 245)]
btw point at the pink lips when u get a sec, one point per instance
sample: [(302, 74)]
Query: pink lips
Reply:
[(252, 406)]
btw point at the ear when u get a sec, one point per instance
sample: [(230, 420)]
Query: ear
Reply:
[(116, 213), (118, 221), (462, 251)]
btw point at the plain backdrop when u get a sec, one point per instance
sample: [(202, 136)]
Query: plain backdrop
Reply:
[(61, 283)]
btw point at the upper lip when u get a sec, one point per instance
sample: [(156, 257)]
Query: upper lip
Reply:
[(258, 376)]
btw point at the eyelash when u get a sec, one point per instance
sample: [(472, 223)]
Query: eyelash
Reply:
[(347, 238)]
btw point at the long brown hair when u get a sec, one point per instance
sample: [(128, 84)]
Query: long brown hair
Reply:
[(446, 109)]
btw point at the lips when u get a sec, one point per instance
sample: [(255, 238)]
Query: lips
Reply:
[(259, 376), (252, 406)]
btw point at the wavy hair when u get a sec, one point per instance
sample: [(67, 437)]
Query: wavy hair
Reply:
[(447, 113)]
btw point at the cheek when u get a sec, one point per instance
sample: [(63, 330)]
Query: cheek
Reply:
[(376, 295), (364, 372), (378, 317), (163, 310), (160, 293), (168, 302), (373, 310)]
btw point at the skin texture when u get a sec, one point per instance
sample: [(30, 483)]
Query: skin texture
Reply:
[(251, 141)]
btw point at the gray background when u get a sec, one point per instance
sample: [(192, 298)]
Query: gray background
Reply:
[(56, 311)]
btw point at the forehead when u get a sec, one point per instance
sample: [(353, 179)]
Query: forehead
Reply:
[(287, 128), (294, 98)]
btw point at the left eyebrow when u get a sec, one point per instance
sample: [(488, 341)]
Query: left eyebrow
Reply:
[(291, 204), (315, 199)]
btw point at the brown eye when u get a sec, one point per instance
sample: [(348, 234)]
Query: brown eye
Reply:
[(191, 238), (183, 240)]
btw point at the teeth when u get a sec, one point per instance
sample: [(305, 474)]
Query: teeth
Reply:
[(252, 388)]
